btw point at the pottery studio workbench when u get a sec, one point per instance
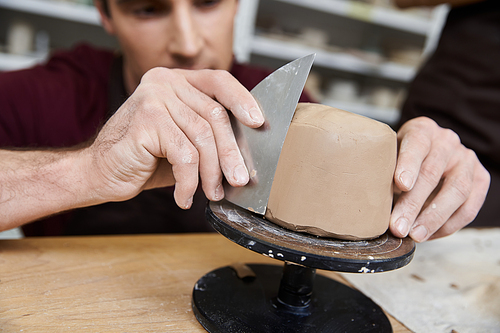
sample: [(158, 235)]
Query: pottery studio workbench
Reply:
[(112, 284)]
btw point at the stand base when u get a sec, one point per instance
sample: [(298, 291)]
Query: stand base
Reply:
[(223, 302)]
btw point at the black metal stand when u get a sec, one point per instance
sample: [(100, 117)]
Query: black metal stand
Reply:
[(282, 299), (296, 288)]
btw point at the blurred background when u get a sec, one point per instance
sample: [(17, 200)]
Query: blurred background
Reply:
[(367, 51)]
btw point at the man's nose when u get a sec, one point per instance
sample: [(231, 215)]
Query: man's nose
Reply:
[(186, 38)]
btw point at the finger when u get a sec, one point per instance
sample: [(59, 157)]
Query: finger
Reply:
[(199, 132), (454, 192), (470, 208), (410, 203), (184, 160), (180, 153), (415, 141), (223, 87), (230, 159)]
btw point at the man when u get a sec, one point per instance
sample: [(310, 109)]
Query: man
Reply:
[(173, 130), (176, 35)]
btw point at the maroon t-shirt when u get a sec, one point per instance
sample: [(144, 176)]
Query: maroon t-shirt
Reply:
[(64, 103)]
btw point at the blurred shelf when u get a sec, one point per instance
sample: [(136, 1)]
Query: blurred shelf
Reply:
[(388, 17), (386, 115), (11, 62), (55, 9), (285, 50)]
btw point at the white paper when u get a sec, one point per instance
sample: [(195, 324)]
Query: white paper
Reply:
[(452, 283)]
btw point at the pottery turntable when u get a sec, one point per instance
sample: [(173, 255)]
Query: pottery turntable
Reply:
[(269, 298), (292, 298)]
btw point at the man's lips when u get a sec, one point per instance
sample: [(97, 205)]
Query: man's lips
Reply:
[(195, 67)]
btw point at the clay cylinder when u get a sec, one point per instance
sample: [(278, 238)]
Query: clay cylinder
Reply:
[(335, 174)]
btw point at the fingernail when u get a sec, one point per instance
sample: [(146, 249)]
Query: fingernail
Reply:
[(256, 115), (402, 226), (188, 203), (419, 233), (219, 192), (406, 179), (240, 175)]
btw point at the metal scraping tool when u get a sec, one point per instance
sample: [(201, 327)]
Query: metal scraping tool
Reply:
[(277, 95)]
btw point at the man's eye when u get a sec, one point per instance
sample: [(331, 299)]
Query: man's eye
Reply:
[(145, 11), (206, 3), (149, 9)]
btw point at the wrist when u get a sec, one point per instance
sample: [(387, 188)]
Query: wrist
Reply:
[(81, 178)]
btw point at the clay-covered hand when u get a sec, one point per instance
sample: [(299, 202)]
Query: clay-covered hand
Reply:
[(443, 185), (174, 129)]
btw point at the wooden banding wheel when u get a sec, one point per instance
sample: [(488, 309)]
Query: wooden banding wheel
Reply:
[(282, 299)]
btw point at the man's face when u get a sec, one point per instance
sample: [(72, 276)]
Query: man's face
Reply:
[(190, 34)]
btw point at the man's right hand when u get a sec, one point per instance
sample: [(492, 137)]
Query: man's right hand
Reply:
[(174, 129)]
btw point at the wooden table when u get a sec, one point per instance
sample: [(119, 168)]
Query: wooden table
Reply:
[(112, 284)]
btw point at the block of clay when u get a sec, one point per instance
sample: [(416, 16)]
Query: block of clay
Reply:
[(334, 176)]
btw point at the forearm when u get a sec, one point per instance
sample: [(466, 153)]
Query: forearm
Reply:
[(413, 3), (34, 184), (173, 130)]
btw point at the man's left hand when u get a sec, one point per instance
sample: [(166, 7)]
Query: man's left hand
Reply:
[(443, 185)]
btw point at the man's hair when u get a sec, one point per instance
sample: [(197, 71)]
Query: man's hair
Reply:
[(105, 7)]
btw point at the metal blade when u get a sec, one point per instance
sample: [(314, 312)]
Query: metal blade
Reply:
[(277, 95)]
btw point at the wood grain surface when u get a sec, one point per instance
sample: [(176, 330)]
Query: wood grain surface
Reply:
[(112, 283)]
